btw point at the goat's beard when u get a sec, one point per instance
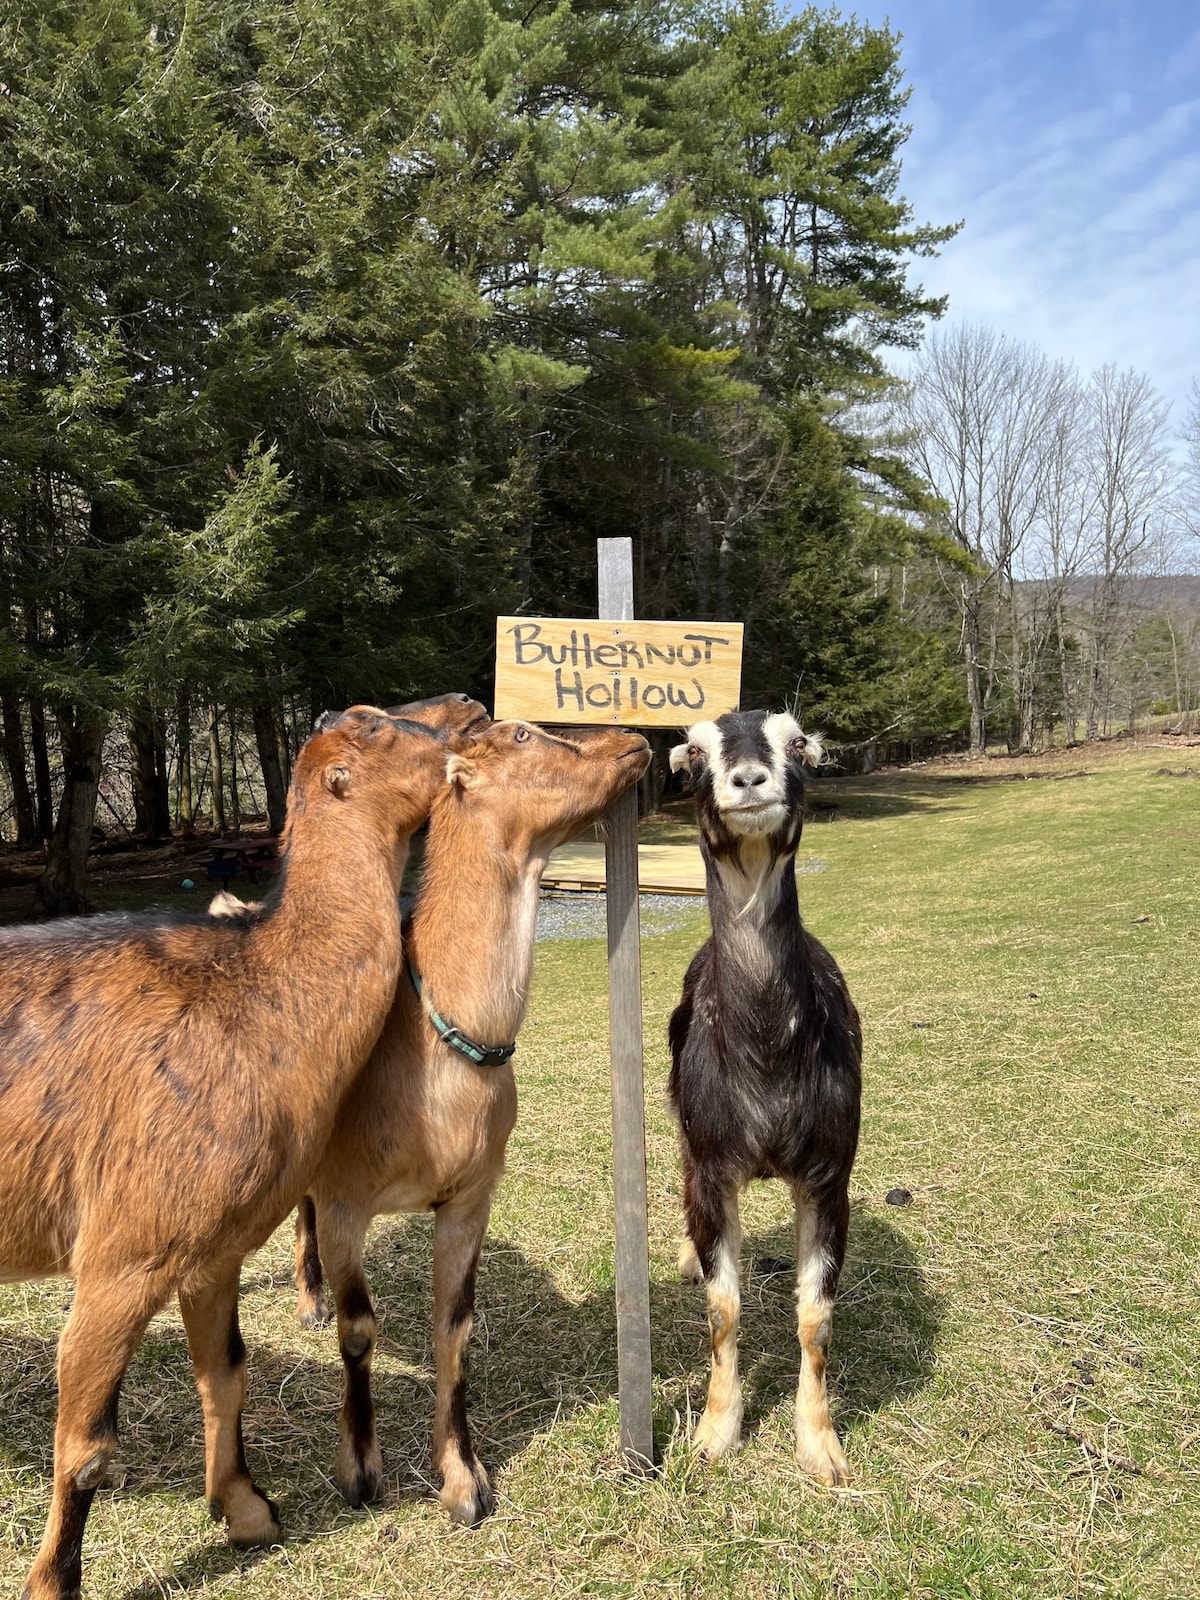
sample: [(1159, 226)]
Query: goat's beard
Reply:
[(752, 824)]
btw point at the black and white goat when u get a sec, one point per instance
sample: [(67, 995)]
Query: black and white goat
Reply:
[(766, 1051)]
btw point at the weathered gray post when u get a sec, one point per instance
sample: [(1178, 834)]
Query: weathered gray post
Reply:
[(615, 557)]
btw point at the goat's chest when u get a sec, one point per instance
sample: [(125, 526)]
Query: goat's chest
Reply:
[(459, 1123), (744, 1069)]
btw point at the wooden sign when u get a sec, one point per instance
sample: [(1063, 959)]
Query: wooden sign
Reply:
[(637, 674)]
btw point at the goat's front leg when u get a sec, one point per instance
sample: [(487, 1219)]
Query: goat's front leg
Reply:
[(821, 1228), (311, 1306), (107, 1320), (457, 1240), (715, 1230), (358, 1469), (210, 1316)]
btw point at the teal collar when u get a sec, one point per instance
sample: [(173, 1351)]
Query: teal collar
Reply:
[(481, 1054)]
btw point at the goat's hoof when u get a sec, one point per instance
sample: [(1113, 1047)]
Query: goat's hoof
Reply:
[(715, 1437), (359, 1476), (690, 1269), (820, 1454), (313, 1310), (255, 1520), (467, 1497)]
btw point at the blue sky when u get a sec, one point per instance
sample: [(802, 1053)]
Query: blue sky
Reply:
[(1067, 136)]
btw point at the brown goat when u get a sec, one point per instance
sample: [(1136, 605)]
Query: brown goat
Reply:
[(167, 1088), (424, 1127)]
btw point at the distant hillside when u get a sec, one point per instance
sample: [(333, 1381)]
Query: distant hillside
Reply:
[(1180, 592)]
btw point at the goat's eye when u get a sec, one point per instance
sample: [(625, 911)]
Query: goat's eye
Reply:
[(797, 746), (693, 752), (521, 735)]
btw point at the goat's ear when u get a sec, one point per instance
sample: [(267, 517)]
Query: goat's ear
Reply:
[(325, 720), (679, 758), (806, 748), (462, 773), (338, 780)]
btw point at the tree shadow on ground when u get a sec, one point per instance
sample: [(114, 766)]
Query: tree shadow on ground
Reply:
[(846, 802), (537, 1355)]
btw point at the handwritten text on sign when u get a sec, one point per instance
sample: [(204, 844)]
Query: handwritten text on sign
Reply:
[(641, 674)]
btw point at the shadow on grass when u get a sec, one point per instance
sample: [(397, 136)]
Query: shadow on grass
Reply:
[(849, 801), (886, 1322), (538, 1355), (889, 794), (206, 1564)]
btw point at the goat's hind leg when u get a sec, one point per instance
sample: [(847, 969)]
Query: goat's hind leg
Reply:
[(690, 1269), (358, 1468), (821, 1227), (715, 1231), (457, 1240), (106, 1323), (311, 1305), (210, 1317)]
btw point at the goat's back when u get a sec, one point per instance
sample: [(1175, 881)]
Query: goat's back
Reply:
[(130, 1056)]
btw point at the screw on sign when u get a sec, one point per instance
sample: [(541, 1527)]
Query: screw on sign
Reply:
[(643, 675)]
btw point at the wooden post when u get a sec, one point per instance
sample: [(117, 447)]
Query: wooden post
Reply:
[(615, 558)]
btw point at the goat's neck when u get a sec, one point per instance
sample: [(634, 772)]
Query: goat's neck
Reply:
[(474, 926), (326, 961), (752, 903)]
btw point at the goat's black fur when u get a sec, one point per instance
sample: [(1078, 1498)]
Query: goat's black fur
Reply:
[(765, 1042)]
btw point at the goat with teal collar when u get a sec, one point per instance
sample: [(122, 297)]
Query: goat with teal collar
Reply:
[(426, 1125)]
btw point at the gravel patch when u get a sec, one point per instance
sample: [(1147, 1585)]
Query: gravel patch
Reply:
[(581, 914)]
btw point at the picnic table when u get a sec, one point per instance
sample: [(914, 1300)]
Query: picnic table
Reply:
[(233, 858)]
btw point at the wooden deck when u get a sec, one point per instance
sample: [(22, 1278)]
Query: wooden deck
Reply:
[(662, 868)]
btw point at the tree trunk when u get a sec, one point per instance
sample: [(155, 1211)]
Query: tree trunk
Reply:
[(18, 776), (266, 735), (151, 797), (729, 526), (183, 737), (651, 783), (42, 786), (1064, 673), (42, 783), (62, 888), (972, 646), (216, 767), (235, 803)]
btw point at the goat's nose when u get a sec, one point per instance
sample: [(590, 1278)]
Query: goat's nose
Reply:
[(749, 777)]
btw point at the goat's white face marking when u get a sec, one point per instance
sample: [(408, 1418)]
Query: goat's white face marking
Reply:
[(704, 737), (750, 788), (781, 729)]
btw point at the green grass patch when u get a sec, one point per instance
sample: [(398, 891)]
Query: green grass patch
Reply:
[(1015, 1355)]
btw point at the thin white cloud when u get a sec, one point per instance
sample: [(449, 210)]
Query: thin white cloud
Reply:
[(1077, 170)]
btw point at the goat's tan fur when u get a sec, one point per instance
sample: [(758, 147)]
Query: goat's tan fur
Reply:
[(166, 1091), (423, 1127)]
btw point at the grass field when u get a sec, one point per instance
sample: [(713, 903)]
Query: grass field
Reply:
[(1015, 1354)]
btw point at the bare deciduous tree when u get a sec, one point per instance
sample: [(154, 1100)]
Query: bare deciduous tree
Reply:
[(1131, 474), (984, 417)]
